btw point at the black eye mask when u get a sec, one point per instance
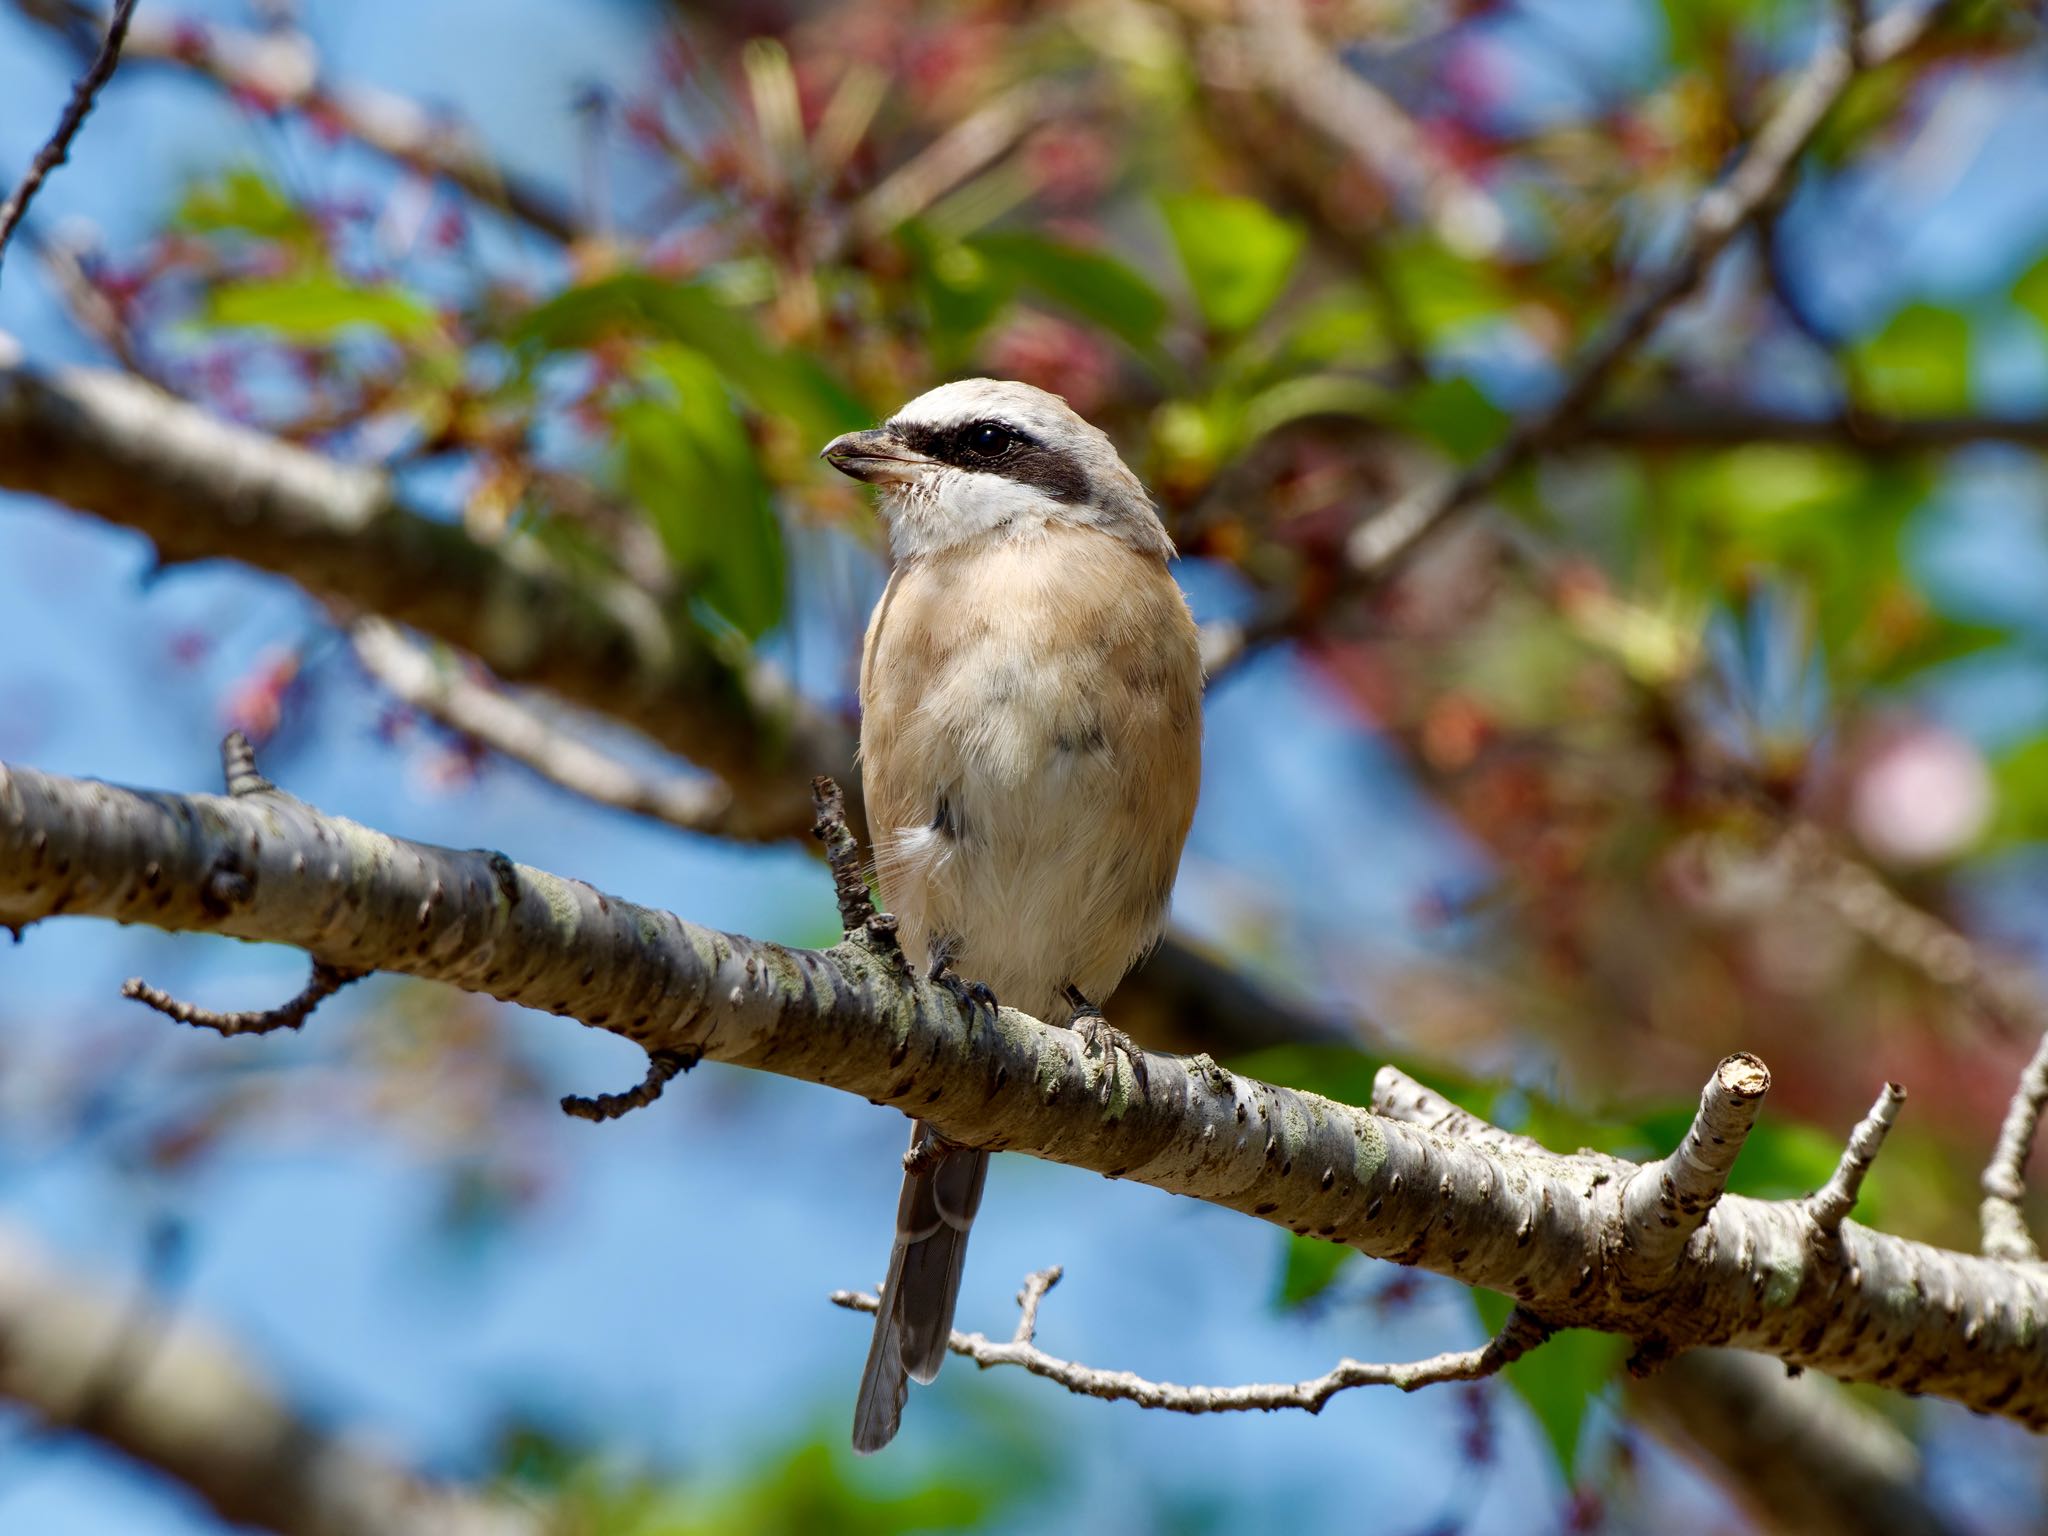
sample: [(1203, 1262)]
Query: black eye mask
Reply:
[(996, 447)]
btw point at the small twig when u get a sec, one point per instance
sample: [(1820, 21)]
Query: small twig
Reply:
[(2005, 1182), (516, 730), (1831, 1204), (842, 852), (325, 982), (1522, 1333), (1665, 1202), (1036, 1284), (238, 767), (969, 146), (58, 148), (662, 1066)]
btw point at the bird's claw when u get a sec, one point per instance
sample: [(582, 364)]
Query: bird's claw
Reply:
[(1099, 1037), (970, 995)]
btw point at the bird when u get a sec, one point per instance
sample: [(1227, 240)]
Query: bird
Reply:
[(1030, 753)]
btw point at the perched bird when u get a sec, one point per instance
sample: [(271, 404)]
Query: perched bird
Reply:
[(1031, 723)]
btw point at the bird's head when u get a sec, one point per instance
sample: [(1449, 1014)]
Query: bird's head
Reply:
[(989, 458)]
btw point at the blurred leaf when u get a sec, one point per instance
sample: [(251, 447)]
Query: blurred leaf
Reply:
[(1093, 285), (1308, 1267), (1454, 413), (240, 201), (2020, 777), (1315, 394), (962, 291), (1559, 1381), (1441, 292), (773, 380), (317, 306), (2031, 292), (1343, 323), (1237, 255), (689, 464), (1918, 364)]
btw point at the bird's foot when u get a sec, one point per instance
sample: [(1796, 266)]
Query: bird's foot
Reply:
[(1099, 1037), (970, 995)]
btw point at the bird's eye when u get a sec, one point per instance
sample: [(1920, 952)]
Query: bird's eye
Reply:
[(986, 439)]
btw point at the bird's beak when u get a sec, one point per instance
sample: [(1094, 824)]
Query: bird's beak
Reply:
[(877, 456)]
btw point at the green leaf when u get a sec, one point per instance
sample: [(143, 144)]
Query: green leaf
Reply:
[(1313, 394), (1092, 285), (1453, 413), (318, 306), (240, 201), (1559, 1381), (688, 462), (1919, 363), (775, 381), (1443, 293), (2021, 778), (962, 290), (1308, 1266), (1237, 255), (2031, 292)]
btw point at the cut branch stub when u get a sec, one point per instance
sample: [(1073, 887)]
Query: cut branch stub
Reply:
[(1666, 1202)]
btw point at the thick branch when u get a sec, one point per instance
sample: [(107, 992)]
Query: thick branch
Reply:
[(177, 1398), (1804, 1457), (1545, 1229)]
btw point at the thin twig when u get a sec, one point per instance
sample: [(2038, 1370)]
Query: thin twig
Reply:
[(58, 148), (1522, 1333), (662, 1068), (1832, 1203), (515, 730), (326, 980), (1757, 180), (282, 71), (2005, 1182)]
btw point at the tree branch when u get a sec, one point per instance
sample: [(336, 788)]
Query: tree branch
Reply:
[(1757, 180), (58, 147), (1486, 1209), (1517, 1337), (186, 1404), (1803, 1457), (281, 71), (442, 689)]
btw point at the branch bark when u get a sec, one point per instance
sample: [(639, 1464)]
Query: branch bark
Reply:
[(173, 1395), (1483, 1207)]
